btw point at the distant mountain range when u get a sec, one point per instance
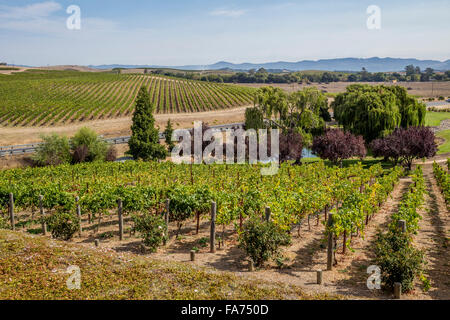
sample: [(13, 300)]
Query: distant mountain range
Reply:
[(345, 64)]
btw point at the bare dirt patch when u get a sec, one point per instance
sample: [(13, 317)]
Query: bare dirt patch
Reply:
[(120, 126)]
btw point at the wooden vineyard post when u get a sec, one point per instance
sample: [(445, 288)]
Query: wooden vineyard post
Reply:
[(166, 219), (268, 213), (397, 290), (319, 277), (120, 213), (344, 246), (330, 243), (41, 211), (213, 227), (402, 225), (77, 200), (251, 265), (11, 211)]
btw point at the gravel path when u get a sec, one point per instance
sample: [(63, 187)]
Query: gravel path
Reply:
[(445, 125)]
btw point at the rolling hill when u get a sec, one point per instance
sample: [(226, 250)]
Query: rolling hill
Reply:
[(374, 64), (39, 97)]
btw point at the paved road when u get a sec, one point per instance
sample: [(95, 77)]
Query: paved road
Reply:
[(31, 148)]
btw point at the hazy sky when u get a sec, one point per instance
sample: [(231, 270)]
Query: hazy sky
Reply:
[(180, 32)]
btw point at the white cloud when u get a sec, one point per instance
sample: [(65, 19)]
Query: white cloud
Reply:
[(32, 11), (41, 18), (228, 13)]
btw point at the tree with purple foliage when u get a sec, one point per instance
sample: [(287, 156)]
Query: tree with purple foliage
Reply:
[(337, 145), (291, 146), (405, 145)]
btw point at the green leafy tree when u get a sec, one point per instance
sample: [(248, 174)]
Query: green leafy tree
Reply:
[(410, 70), (87, 146), (54, 150), (375, 111), (254, 119), (144, 142), (168, 133), (272, 102)]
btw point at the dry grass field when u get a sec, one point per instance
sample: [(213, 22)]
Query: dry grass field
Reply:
[(420, 89)]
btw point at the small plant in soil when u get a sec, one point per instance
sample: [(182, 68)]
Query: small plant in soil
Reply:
[(63, 225), (151, 227), (203, 242), (106, 235), (262, 240)]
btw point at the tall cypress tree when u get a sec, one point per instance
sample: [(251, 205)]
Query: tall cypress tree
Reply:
[(144, 141)]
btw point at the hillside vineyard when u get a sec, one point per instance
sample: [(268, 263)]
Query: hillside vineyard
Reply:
[(42, 98)]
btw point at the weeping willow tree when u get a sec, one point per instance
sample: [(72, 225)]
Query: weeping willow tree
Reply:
[(304, 111), (375, 111), (412, 111), (272, 102)]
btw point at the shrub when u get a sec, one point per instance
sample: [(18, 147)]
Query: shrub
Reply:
[(4, 223), (405, 145), (54, 150), (337, 145), (96, 146), (262, 240), (63, 225), (151, 228), (398, 259), (80, 154), (291, 146), (111, 155)]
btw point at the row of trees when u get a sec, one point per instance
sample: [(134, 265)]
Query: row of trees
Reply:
[(400, 147), (415, 74), (384, 119), (263, 76)]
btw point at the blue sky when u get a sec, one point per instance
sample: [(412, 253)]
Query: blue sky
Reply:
[(175, 32)]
